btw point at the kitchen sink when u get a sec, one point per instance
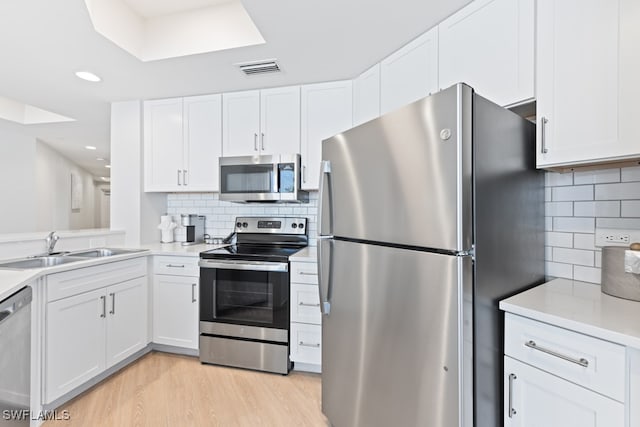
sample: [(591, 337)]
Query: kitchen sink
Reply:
[(39, 262), (103, 252)]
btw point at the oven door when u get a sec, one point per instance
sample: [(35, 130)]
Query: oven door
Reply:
[(245, 293), (249, 178)]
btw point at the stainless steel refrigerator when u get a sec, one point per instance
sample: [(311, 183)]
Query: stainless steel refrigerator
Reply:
[(428, 216)]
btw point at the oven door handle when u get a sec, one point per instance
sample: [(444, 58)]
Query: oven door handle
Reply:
[(245, 265)]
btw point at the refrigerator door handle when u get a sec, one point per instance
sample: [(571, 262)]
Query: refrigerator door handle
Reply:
[(325, 170), (324, 282)]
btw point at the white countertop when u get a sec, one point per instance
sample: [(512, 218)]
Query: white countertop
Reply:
[(13, 280), (580, 307), (307, 254)]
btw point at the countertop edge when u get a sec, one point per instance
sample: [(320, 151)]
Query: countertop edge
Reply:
[(519, 305)]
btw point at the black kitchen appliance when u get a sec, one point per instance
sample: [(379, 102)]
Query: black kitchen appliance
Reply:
[(244, 295)]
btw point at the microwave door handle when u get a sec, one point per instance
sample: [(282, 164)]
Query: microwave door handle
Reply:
[(275, 183)]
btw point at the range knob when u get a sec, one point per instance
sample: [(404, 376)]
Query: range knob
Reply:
[(238, 224), (294, 225), (301, 225), (245, 225)]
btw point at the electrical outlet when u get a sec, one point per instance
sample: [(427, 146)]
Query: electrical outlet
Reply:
[(616, 237)]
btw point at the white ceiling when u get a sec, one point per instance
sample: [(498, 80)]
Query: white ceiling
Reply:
[(43, 42)]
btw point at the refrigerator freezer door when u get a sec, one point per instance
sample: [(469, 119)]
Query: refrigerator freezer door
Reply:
[(404, 178), (390, 342)]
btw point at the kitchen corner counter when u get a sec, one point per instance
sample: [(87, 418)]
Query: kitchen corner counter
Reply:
[(177, 249), (580, 307), (307, 254)]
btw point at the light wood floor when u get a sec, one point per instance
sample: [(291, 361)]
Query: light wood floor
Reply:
[(168, 390)]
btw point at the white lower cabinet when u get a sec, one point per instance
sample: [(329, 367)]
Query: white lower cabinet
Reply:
[(175, 311), (306, 318), (88, 332), (175, 301), (555, 377), (536, 398)]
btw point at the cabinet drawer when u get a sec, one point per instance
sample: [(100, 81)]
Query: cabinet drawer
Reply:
[(561, 352), (73, 282), (304, 272), (176, 266), (306, 343), (305, 304)]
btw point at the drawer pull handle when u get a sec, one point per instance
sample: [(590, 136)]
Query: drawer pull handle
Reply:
[(512, 411), (305, 273), (304, 344), (175, 265), (582, 361), (306, 304)]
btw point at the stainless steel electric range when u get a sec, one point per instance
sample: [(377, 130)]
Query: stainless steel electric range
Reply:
[(244, 295)]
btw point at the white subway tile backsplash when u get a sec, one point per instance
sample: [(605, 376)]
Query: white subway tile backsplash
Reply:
[(558, 208), (574, 204), (586, 274), (596, 177), (631, 208), (631, 174), (584, 241), (554, 179), (573, 256), (563, 240), (221, 215), (624, 223), (574, 225), (596, 209), (579, 192), (555, 269), (622, 191)]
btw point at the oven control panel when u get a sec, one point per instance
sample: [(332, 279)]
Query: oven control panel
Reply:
[(281, 225)]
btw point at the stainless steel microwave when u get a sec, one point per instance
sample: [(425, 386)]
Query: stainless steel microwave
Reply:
[(271, 178)]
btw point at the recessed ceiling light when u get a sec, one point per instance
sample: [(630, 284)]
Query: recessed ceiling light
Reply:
[(100, 159), (107, 166), (90, 147), (86, 75)]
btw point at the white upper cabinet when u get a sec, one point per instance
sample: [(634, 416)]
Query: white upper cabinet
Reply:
[(410, 73), (280, 120), (587, 81), (489, 45), (366, 96), (326, 111), (182, 143), (240, 123), (261, 122), (202, 128)]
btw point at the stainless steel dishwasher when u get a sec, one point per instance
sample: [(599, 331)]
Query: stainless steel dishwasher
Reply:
[(15, 358)]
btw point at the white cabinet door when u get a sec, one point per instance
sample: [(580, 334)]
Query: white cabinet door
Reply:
[(410, 73), (537, 398), (306, 343), (175, 311), (587, 68), (280, 120), (326, 111), (240, 123), (163, 146), (633, 398), (366, 96), (489, 45), (75, 342), (203, 142), (126, 319)]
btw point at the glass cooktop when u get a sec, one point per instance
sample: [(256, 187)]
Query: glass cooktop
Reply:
[(252, 252)]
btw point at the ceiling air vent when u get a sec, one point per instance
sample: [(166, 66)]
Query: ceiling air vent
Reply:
[(259, 67)]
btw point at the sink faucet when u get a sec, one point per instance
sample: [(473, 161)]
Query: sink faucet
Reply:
[(52, 239)]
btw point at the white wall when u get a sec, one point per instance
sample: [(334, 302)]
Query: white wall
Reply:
[(132, 210), (576, 205), (53, 192), (17, 182)]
